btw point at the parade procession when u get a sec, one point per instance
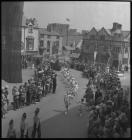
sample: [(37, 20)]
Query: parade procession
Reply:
[(65, 74)]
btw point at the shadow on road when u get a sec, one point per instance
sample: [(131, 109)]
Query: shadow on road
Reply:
[(61, 111), (65, 126)]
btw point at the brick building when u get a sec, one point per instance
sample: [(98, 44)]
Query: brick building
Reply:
[(112, 46)]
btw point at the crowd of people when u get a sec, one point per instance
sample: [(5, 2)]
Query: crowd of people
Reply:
[(108, 106), (5, 100), (107, 101), (43, 82)]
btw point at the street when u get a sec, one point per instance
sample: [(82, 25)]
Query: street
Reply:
[(54, 123), (50, 106)]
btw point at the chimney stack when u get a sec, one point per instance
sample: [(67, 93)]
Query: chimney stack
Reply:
[(117, 27)]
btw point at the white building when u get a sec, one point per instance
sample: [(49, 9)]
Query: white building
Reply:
[(30, 38), (50, 42)]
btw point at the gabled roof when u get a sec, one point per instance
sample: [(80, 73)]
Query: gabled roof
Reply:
[(45, 32), (108, 31), (93, 30), (104, 31)]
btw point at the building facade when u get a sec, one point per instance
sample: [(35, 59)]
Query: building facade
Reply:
[(30, 38), (50, 42), (69, 36), (110, 45)]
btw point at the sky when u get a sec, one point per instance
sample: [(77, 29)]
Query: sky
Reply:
[(83, 15)]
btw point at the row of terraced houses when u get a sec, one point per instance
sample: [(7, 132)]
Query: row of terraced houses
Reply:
[(108, 43)]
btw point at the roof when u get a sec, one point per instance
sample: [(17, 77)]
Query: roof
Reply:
[(58, 24), (44, 31), (108, 31)]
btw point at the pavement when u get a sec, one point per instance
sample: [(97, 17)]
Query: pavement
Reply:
[(54, 124)]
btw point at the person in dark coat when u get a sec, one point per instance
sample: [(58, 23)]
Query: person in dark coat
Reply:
[(11, 130), (28, 95), (54, 84), (36, 125), (98, 95)]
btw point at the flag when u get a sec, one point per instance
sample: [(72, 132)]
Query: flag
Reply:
[(95, 53), (67, 19), (109, 57)]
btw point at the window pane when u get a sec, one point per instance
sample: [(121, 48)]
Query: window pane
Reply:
[(30, 44)]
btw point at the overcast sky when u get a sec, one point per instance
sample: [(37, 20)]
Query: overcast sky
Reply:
[(83, 15)]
